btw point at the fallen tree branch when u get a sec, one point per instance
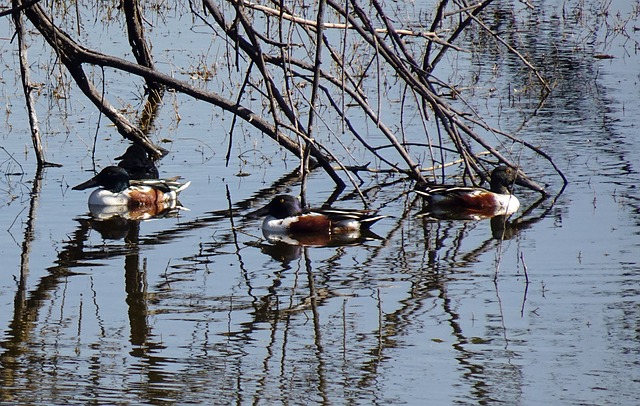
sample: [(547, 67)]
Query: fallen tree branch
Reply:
[(285, 62)]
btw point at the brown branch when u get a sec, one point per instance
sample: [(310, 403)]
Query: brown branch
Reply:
[(135, 33), (141, 52), (477, 9), (28, 87), (281, 89), (73, 56), (314, 93), (431, 35), (252, 49), (16, 8)]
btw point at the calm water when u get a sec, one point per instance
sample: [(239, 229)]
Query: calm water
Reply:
[(199, 309)]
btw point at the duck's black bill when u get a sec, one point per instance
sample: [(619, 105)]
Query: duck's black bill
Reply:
[(86, 185), (258, 213)]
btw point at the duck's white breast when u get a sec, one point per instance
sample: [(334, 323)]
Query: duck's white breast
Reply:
[(509, 204), (103, 197), (274, 225)]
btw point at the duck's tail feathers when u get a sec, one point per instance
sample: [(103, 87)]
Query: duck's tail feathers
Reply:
[(425, 193), (366, 218), (166, 185), (370, 220), (183, 187)]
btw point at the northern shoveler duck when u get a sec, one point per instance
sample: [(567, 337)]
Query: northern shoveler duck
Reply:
[(118, 190), (286, 216), (137, 163), (462, 202)]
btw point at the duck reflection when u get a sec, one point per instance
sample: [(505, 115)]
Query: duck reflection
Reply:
[(442, 213), (115, 227), (282, 252), (322, 239), (503, 229), (284, 247), (116, 222), (145, 212)]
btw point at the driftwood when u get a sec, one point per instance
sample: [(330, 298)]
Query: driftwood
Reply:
[(28, 91), (271, 65)]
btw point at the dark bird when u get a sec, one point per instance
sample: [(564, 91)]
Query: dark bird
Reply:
[(137, 163)]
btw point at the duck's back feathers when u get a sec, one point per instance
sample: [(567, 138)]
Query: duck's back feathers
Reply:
[(350, 219)]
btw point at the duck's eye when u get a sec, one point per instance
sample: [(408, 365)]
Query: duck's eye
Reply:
[(281, 200)]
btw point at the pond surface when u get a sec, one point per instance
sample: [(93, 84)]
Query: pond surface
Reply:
[(198, 308)]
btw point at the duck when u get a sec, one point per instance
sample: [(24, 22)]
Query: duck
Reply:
[(467, 202), (117, 189), (137, 163), (285, 216)]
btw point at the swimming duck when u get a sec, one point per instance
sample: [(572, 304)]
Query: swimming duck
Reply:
[(284, 215), (116, 189), (474, 202)]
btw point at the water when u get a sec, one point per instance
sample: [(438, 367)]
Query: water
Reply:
[(185, 310)]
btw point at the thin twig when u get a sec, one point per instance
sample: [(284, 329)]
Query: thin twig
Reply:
[(524, 267)]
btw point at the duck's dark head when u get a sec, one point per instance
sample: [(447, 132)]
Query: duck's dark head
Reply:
[(502, 178), (112, 178), (134, 151), (280, 207), (283, 206)]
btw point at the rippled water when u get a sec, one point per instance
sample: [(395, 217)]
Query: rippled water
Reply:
[(200, 309)]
